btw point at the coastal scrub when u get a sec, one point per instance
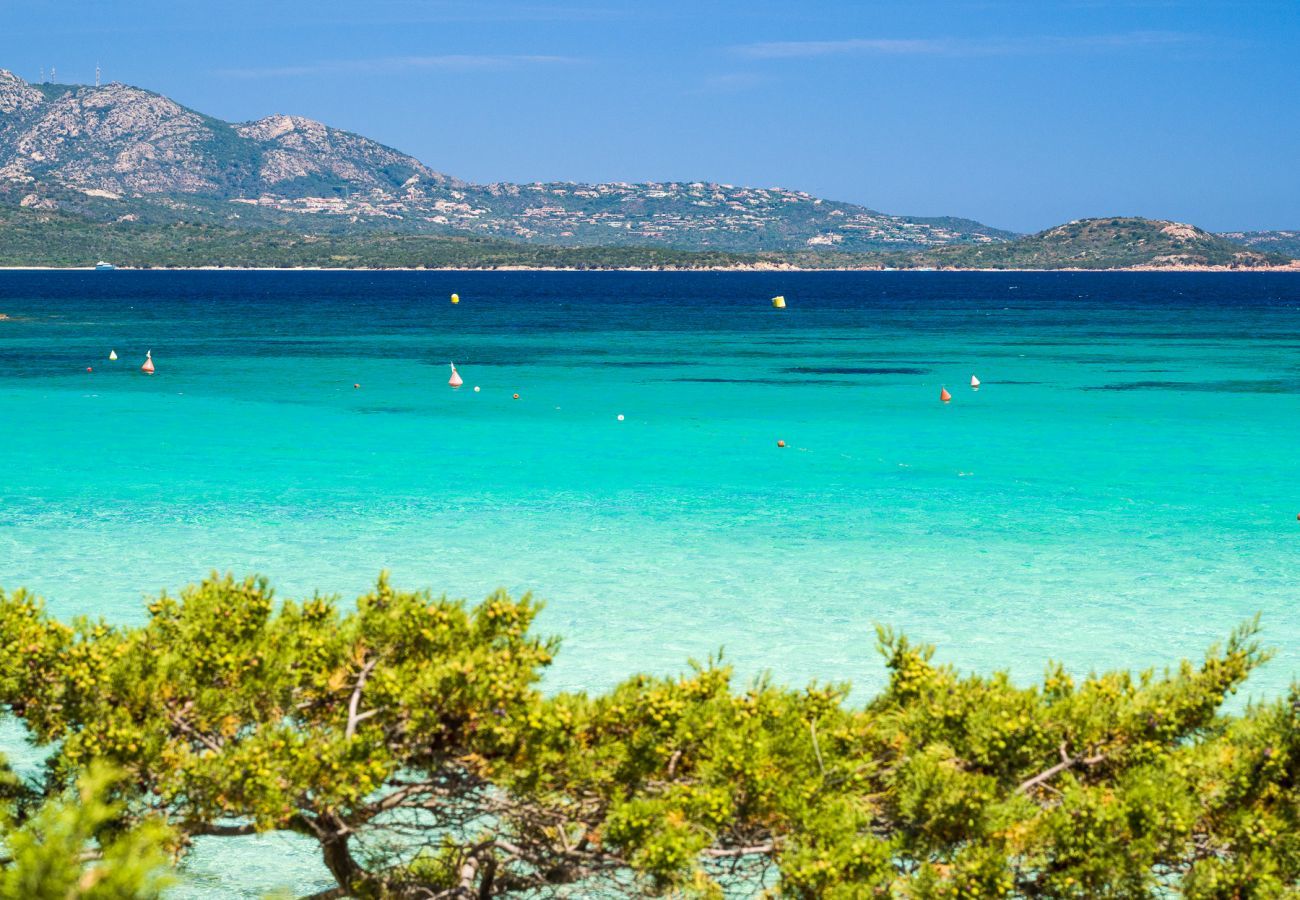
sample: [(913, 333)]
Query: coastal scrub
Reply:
[(407, 736)]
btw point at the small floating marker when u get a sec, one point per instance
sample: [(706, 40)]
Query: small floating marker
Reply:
[(516, 396), (944, 395), (780, 443), (455, 298), (89, 369), (975, 382), (147, 368), (455, 380), (355, 386), (620, 417), (778, 302), (112, 354), (476, 388)]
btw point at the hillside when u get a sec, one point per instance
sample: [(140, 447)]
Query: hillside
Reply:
[(50, 238), (1286, 243), (38, 238), (1112, 243), (121, 153), (179, 187)]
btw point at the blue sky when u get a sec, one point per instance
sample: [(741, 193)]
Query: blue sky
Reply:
[(1019, 113)]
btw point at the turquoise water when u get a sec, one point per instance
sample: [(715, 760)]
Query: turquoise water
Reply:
[(1120, 492)]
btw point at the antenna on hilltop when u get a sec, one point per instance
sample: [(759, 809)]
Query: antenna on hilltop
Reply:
[(42, 74), (96, 74), (53, 75)]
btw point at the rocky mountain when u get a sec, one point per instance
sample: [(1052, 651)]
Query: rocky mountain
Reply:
[(1111, 243), (120, 142), (120, 153)]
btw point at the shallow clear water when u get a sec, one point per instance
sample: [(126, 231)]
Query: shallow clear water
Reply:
[(1120, 492)]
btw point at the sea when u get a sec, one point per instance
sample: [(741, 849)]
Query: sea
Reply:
[(1121, 490)]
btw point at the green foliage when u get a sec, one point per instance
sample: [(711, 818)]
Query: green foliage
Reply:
[(408, 737), (225, 706), (78, 846), (161, 240), (42, 239), (1109, 244)]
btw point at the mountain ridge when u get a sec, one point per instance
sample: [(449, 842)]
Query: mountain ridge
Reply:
[(123, 152), (125, 156)]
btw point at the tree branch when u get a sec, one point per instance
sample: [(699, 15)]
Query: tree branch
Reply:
[(399, 797), (1067, 762), (812, 728), (212, 829), (725, 852), (177, 719), (355, 700)]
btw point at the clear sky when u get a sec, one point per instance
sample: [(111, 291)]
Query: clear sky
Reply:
[(1019, 113)]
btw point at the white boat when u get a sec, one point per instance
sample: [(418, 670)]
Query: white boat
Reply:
[(102, 266)]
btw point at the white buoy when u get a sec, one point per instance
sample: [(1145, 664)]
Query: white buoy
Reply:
[(476, 388), (112, 354), (974, 382), (620, 417)]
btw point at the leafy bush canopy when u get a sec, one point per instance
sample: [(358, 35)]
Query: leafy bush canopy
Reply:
[(76, 846), (407, 735)]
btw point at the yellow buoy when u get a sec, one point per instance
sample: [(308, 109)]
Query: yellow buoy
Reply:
[(455, 298), (778, 302)]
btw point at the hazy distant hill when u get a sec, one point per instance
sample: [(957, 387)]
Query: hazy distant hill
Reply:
[(120, 153), (1111, 243), (1286, 243)]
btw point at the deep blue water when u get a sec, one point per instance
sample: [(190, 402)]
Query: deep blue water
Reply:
[(1121, 491)]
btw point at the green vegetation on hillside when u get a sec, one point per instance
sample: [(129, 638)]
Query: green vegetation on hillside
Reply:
[(293, 174), (1106, 244), (41, 239), (406, 735)]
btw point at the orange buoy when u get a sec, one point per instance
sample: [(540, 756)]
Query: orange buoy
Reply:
[(780, 443), (455, 380), (944, 395), (975, 382), (89, 369), (516, 396), (147, 368)]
